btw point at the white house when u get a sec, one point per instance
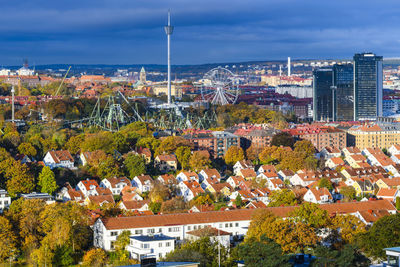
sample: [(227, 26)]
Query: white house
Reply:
[(388, 193), (303, 178), (142, 205), (234, 181), (215, 235), (189, 189), (187, 176), (142, 182), (59, 159), (285, 174), (115, 184), (394, 149), (266, 168), (150, 246), (318, 196), (242, 164), (330, 152), (88, 187), (209, 174), (5, 200), (275, 184), (333, 162)]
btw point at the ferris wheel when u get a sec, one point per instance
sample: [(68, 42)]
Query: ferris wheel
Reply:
[(222, 87)]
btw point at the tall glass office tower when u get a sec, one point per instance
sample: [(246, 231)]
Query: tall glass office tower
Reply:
[(322, 94), (343, 92), (368, 86)]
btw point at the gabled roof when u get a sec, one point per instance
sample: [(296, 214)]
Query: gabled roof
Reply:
[(116, 223), (208, 231), (168, 178), (318, 193), (114, 181), (87, 183), (190, 174), (268, 168), (387, 192), (353, 150), (248, 173), (245, 164), (337, 161), (101, 199), (332, 150), (371, 216), (212, 173), (144, 151), (60, 155), (392, 182), (144, 178), (165, 157), (134, 204)]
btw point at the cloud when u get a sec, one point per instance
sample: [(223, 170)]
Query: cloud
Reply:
[(127, 32)]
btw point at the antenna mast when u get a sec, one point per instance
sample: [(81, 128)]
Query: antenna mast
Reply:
[(168, 30)]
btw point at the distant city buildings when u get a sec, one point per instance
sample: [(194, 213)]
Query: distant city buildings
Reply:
[(368, 86)]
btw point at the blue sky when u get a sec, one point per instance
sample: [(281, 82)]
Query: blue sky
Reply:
[(206, 31)]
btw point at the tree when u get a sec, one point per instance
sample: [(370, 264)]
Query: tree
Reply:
[(173, 205), (169, 144), (120, 246), (109, 168), (233, 155), (27, 149), (95, 257), (203, 250), (155, 207), (347, 257), (348, 192), (266, 155), (135, 165), (398, 203), (47, 181), (282, 197), (348, 227), (238, 201), (158, 192), (199, 160), (74, 143), (384, 233), (183, 155), (324, 182), (305, 147), (19, 179), (8, 240), (263, 252), (282, 139), (310, 214)]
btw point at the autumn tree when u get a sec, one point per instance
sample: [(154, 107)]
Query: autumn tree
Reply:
[(74, 144), (8, 240), (173, 205), (158, 192), (109, 168), (120, 247), (95, 257), (183, 154), (282, 197), (150, 142), (27, 149), (99, 141), (310, 214), (348, 227), (233, 155), (304, 147), (266, 155), (135, 165), (19, 180), (200, 160), (169, 144), (47, 181), (282, 139)]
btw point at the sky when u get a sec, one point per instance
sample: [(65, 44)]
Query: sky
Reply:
[(206, 31)]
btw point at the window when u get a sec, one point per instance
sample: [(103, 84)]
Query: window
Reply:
[(168, 244), (144, 245), (150, 231), (160, 255), (112, 244), (237, 224), (226, 225), (138, 232), (230, 225), (188, 228), (114, 233), (160, 245), (159, 230)]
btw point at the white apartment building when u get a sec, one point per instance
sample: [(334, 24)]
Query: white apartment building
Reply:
[(5, 200), (150, 246), (235, 222)]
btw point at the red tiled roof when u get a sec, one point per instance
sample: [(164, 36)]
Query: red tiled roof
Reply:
[(134, 204), (233, 215), (248, 173), (387, 192), (88, 183), (167, 157), (61, 155)]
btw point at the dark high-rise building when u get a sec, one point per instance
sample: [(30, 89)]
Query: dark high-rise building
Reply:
[(322, 94), (343, 92), (368, 86)]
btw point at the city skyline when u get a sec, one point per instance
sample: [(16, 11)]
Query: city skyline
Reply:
[(126, 32)]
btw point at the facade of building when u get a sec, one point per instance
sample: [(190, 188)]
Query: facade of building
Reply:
[(320, 136), (343, 92), (368, 86), (383, 133), (322, 96)]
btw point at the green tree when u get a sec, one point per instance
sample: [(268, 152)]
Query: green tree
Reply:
[(348, 192), (135, 165), (155, 207), (183, 154), (203, 250), (324, 182), (263, 252), (233, 154), (27, 149), (47, 181), (169, 144), (282, 139), (109, 168), (8, 240), (384, 233), (347, 257), (120, 247), (398, 203), (282, 197), (310, 214), (120, 142), (74, 144), (238, 201)]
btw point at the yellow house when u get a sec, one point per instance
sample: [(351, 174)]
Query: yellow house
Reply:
[(355, 160), (223, 188), (363, 187), (389, 182)]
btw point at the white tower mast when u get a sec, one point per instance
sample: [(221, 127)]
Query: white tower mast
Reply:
[(12, 107), (288, 66), (168, 30)]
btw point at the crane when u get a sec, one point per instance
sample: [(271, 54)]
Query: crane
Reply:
[(65, 76)]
